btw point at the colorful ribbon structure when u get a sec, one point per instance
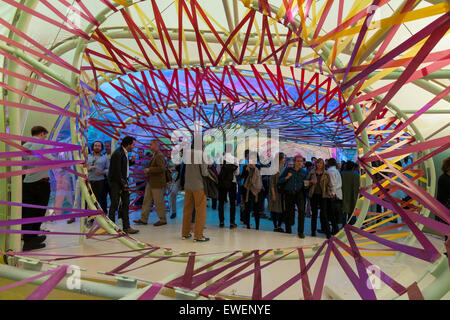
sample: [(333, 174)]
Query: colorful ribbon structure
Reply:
[(253, 73)]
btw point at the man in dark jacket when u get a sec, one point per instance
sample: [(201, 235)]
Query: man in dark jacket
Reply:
[(295, 183), (227, 186), (119, 172)]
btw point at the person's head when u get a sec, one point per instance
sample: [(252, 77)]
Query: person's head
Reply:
[(281, 159), (298, 162), (97, 147), (154, 145), (39, 132), (320, 164), (246, 154), (253, 157), (108, 147), (332, 162), (349, 165), (290, 162), (128, 143), (308, 165), (446, 165)]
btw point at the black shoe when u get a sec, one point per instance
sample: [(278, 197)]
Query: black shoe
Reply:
[(222, 225), (301, 236), (173, 216), (233, 225), (320, 231), (248, 227), (313, 234), (33, 246), (328, 236), (39, 239)]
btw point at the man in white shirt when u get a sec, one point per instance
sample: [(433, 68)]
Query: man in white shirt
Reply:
[(35, 191), (336, 195)]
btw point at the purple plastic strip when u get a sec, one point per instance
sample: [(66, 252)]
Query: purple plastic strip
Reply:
[(426, 199), (402, 126), (177, 282), (317, 294), (228, 280), (388, 57), (430, 43), (151, 293), (60, 233), (394, 285), (50, 208), (6, 223), (24, 281), (220, 284), (38, 169), (365, 292), (44, 290), (359, 284), (118, 269), (202, 278), (361, 35), (69, 257), (297, 277)]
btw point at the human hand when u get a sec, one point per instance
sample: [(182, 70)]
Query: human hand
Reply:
[(92, 168), (146, 171), (289, 175), (274, 197)]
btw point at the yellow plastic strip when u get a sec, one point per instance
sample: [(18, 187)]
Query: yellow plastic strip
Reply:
[(382, 222), (122, 2), (388, 22), (143, 17)]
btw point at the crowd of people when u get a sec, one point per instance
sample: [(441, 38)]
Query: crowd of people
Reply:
[(319, 189), (300, 187)]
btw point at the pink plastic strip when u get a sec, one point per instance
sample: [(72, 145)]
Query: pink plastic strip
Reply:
[(394, 285), (44, 290), (24, 281), (118, 269), (13, 222), (151, 293), (273, 294)]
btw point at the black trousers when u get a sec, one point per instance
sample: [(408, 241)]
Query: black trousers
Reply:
[(36, 193), (335, 214), (295, 199), (277, 219), (231, 192), (99, 189), (316, 201), (251, 204), (122, 197)]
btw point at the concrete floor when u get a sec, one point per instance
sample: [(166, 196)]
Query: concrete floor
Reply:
[(405, 271)]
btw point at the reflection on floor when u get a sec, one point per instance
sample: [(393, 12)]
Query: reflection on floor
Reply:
[(405, 270)]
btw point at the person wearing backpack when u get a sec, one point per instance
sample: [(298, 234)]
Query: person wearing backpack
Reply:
[(295, 183), (227, 186)]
